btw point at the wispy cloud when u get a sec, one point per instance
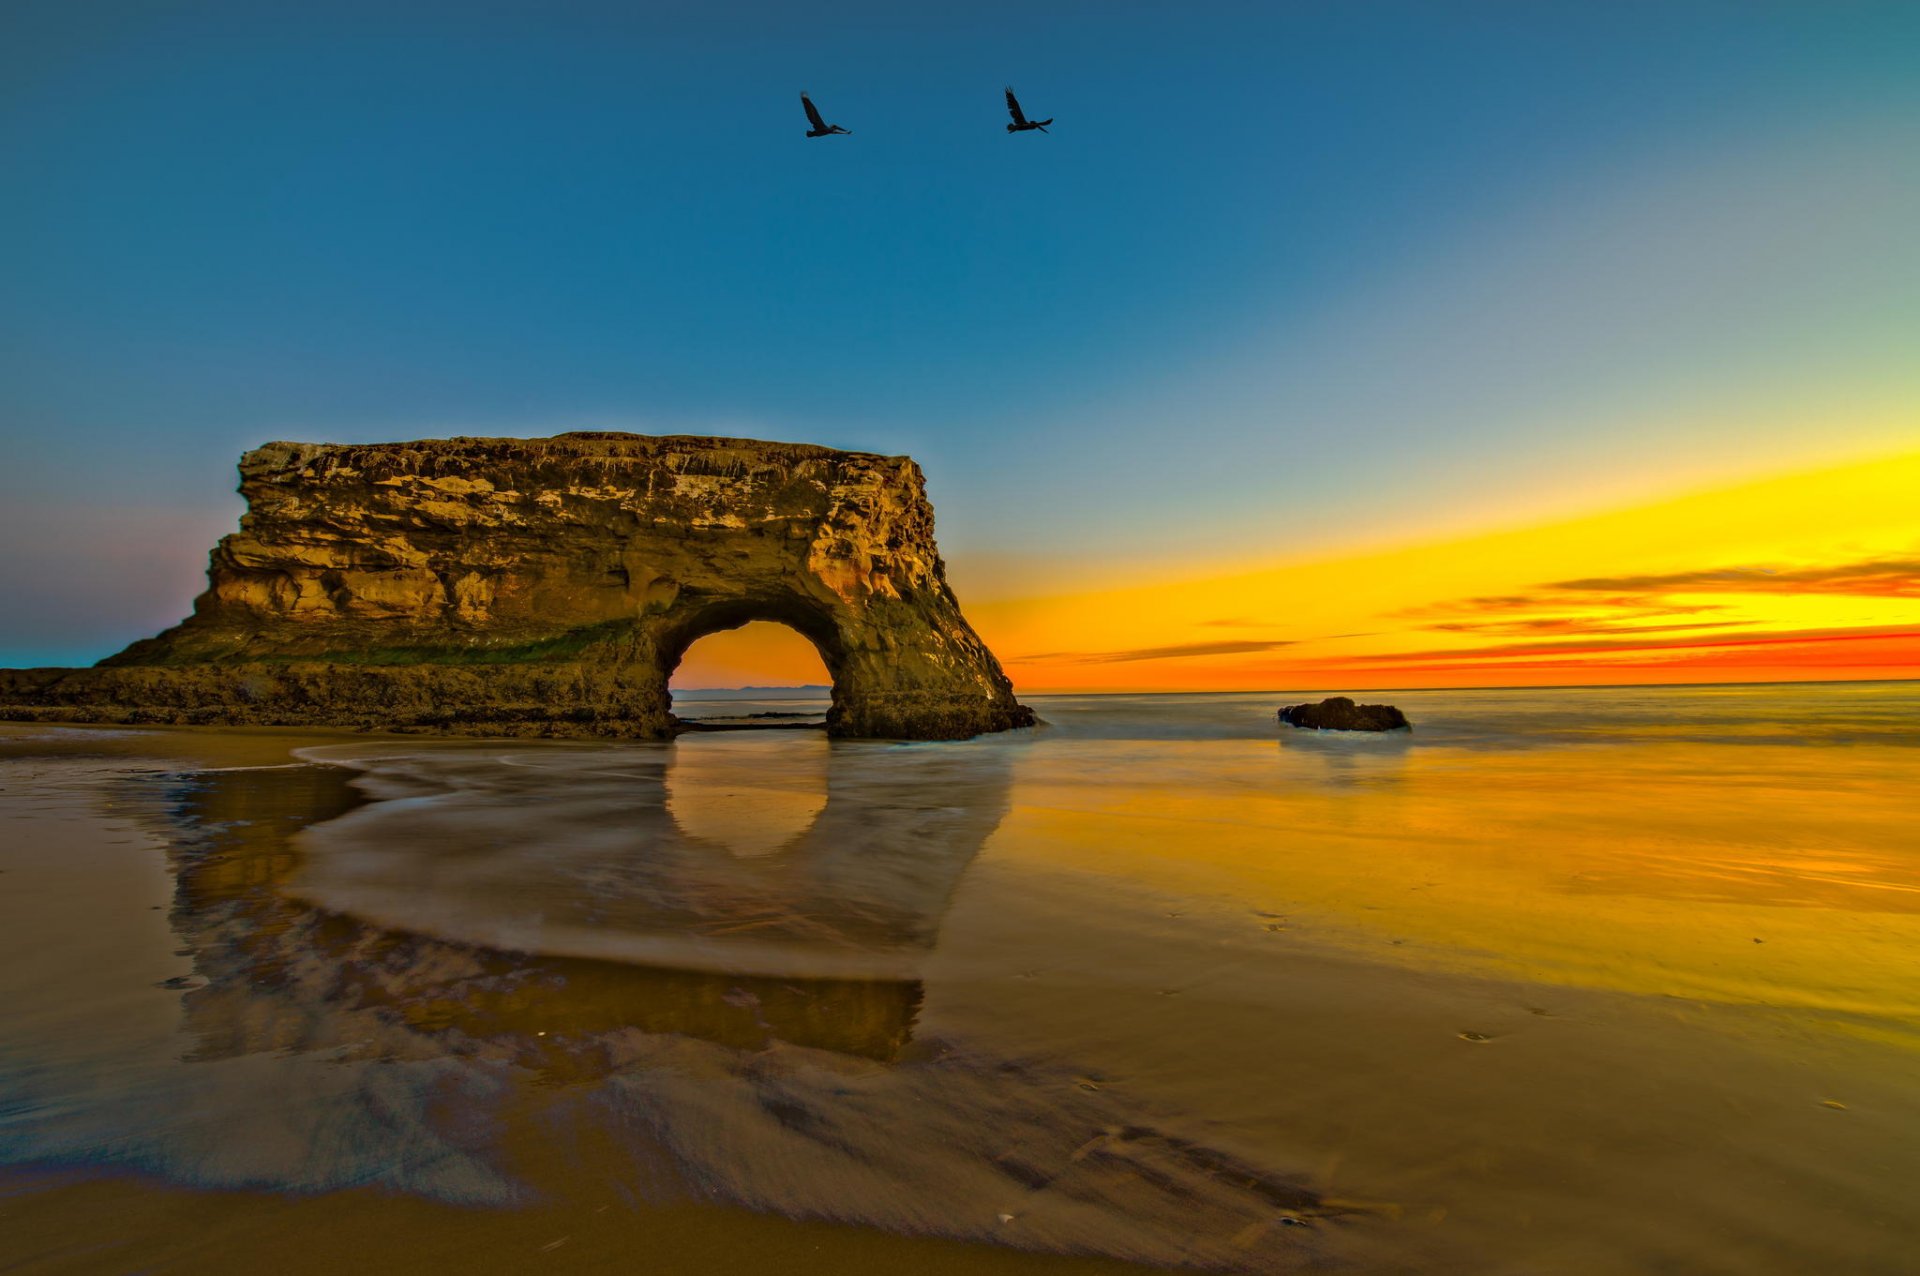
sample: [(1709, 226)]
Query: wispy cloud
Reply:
[(1498, 604), (1599, 646), (1608, 606), (1533, 626), (1873, 578), (1179, 651), (1660, 615)]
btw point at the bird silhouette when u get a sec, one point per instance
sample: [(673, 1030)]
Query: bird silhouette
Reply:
[(820, 127), (1020, 121)]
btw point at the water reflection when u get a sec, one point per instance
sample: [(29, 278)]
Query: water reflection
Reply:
[(716, 801), (738, 1076), (591, 852), (1344, 759), (543, 899)]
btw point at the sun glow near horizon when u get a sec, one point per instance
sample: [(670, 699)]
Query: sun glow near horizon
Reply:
[(759, 654), (1806, 576)]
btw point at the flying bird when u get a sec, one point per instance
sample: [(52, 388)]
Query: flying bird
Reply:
[(820, 127), (1020, 121)]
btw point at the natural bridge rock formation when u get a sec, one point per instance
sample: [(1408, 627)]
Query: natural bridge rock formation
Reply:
[(550, 586)]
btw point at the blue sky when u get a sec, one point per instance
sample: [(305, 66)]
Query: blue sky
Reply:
[(1282, 276)]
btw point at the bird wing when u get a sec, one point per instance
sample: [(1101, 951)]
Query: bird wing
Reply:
[(1013, 108), (813, 114)]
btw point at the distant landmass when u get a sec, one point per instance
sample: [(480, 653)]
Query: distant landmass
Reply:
[(811, 691)]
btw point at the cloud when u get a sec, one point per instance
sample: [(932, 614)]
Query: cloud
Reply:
[(1602, 607), (1641, 620), (1873, 578), (1499, 603), (1537, 625), (1600, 646), (1486, 602), (1179, 651)]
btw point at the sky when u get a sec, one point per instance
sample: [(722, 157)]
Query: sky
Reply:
[(1308, 334)]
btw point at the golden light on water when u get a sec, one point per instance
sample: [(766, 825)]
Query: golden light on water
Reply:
[(722, 795), (1678, 869)]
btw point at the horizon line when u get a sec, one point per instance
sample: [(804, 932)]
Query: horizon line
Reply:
[(1277, 691)]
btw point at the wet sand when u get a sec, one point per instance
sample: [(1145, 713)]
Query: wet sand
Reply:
[(89, 952), (1151, 986)]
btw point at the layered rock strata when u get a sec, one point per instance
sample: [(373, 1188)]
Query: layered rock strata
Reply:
[(550, 586)]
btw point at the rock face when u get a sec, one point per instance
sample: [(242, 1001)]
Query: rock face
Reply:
[(550, 586), (1338, 713)]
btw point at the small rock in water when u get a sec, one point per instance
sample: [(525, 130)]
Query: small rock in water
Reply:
[(1475, 1037), (1338, 713)]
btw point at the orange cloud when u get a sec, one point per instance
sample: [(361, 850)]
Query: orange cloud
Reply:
[(1878, 578), (1179, 651), (1568, 608), (1596, 646)]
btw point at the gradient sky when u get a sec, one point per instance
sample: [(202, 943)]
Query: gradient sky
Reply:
[(1290, 288)]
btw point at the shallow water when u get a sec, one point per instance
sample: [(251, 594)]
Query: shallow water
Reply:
[(1583, 981), (799, 707)]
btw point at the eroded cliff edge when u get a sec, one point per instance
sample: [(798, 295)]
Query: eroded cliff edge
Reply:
[(549, 586)]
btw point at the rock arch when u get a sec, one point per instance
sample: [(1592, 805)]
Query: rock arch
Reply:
[(697, 629), (551, 585), (685, 624)]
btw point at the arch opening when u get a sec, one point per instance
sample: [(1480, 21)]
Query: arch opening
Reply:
[(755, 673)]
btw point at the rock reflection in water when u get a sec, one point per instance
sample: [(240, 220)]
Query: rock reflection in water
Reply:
[(716, 802), (830, 891), (579, 852), (742, 1075), (1346, 759)]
